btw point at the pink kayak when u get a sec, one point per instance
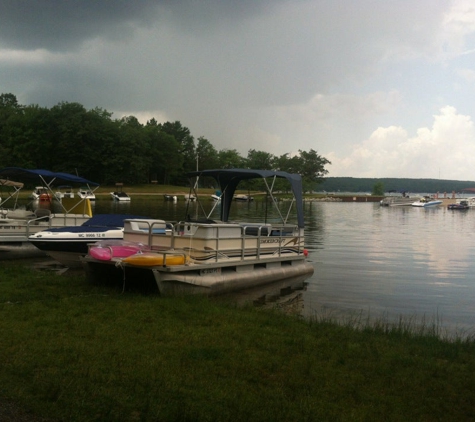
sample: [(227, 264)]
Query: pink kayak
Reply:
[(106, 253)]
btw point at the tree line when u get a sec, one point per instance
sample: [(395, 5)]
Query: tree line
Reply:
[(355, 184), (69, 138)]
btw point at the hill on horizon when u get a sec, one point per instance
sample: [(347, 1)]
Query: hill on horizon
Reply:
[(355, 184)]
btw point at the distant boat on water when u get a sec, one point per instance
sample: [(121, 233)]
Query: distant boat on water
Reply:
[(426, 202)]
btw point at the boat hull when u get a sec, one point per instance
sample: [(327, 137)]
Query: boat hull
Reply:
[(120, 196), (427, 204), (458, 207), (68, 251), (200, 279)]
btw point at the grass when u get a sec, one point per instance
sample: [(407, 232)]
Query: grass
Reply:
[(76, 351)]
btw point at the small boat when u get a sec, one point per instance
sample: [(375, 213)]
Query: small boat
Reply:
[(119, 194), (86, 193), (243, 198), (190, 197), (216, 196), (210, 256), (461, 205), (471, 201), (67, 244), (398, 199), (426, 202), (64, 192)]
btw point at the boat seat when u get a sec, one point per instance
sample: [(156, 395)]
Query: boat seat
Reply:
[(254, 231), (279, 232)]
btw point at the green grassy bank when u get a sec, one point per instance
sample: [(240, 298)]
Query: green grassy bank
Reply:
[(74, 351)]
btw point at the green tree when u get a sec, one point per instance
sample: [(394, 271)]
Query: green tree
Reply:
[(10, 117), (82, 140), (130, 161), (260, 160), (34, 146), (230, 158), (312, 166), (187, 146), (378, 189), (9, 101), (166, 160), (206, 155), (70, 138)]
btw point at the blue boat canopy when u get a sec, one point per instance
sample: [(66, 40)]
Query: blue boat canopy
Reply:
[(228, 180), (48, 177)]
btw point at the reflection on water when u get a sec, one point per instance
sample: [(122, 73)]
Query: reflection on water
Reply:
[(416, 263), (384, 262), (285, 295)]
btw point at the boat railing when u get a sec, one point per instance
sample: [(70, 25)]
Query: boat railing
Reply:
[(142, 230), (212, 241), (47, 220)]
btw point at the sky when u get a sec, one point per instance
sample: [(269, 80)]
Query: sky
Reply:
[(380, 88)]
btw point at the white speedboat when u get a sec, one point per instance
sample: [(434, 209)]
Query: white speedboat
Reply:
[(64, 192), (243, 198), (210, 256), (426, 202), (216, 196), (16, 225), (86, 193), (120, 196), (67, 244)]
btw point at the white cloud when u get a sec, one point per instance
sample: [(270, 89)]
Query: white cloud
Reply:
[(447, 149), (458, 23)]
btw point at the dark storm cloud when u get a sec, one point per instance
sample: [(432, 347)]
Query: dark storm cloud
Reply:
[(59, 25)]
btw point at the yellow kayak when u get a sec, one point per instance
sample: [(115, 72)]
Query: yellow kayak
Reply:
[(152, 259)]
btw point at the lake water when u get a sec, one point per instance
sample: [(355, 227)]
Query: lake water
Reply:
[(418, 264), (394, 262)]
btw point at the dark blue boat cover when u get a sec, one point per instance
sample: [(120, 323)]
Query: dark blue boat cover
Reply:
[(49, 177), (228, 179), (98, 223), (110, 220)]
